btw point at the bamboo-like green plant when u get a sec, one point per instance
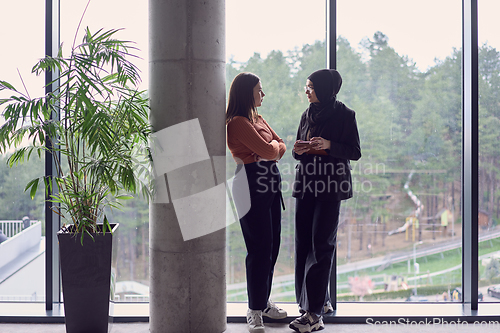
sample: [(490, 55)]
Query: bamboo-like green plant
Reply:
[(97, 119)]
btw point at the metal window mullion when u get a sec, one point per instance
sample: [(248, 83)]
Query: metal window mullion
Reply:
[(470, 153), (331, 34), (331, 62), (52, 220)]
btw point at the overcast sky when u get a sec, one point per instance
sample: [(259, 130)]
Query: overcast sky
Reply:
[(422, 30)]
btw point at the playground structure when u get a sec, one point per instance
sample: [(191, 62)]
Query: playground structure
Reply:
[(412, 220)]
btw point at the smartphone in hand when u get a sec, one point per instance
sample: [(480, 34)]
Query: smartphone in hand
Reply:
[(302, 143)]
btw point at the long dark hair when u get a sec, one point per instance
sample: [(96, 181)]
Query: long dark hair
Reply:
[(241, 102)]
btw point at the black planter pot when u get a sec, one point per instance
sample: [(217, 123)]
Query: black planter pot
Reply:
[(88, 274)]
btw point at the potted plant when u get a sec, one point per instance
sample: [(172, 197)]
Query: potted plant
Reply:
[(101, 133)]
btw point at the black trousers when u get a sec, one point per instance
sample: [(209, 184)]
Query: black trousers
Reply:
[(261, 228), (316, 225)]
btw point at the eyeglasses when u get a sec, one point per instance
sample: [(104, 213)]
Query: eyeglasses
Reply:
[(308, 89)]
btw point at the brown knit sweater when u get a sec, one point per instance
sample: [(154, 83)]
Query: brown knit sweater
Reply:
[(246, 141)]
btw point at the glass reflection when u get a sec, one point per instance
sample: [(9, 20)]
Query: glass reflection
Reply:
[(400, 236), (22, 241), (489, 152)]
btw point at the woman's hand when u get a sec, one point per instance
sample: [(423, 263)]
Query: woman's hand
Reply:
[(319, 143), (277, 158), (300, 149), (258, 158)]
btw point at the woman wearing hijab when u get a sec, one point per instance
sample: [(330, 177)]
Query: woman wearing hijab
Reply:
[(256, 148), (327, 138)]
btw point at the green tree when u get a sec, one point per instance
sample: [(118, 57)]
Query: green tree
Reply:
[(492, 269), (15, 203), (393, 76), (133, 239), (353, 71), (407, 120), (489, 120)]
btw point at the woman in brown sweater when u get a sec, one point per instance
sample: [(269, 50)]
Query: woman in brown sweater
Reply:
[(256, 148)]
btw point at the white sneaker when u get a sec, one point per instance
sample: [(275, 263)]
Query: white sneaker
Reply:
[(254, 320), (327, 308), (274, 312), (307, 323)]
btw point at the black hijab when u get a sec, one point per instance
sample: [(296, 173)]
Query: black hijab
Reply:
[(327, 83)]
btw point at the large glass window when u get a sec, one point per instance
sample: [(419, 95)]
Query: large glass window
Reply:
[(22, 245), (399, 237), (283, 48), (489, 152)]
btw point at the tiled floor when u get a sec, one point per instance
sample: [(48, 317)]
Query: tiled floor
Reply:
[(270, 328), (236, 317)]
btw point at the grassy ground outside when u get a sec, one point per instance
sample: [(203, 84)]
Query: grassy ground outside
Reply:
[(426, 285)]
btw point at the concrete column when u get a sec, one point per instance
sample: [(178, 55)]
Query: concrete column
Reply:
[(187, 81)]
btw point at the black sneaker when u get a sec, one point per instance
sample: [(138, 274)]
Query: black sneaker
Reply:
[(307, 323)]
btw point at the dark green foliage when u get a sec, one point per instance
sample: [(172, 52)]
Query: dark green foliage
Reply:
[(407, 119)]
